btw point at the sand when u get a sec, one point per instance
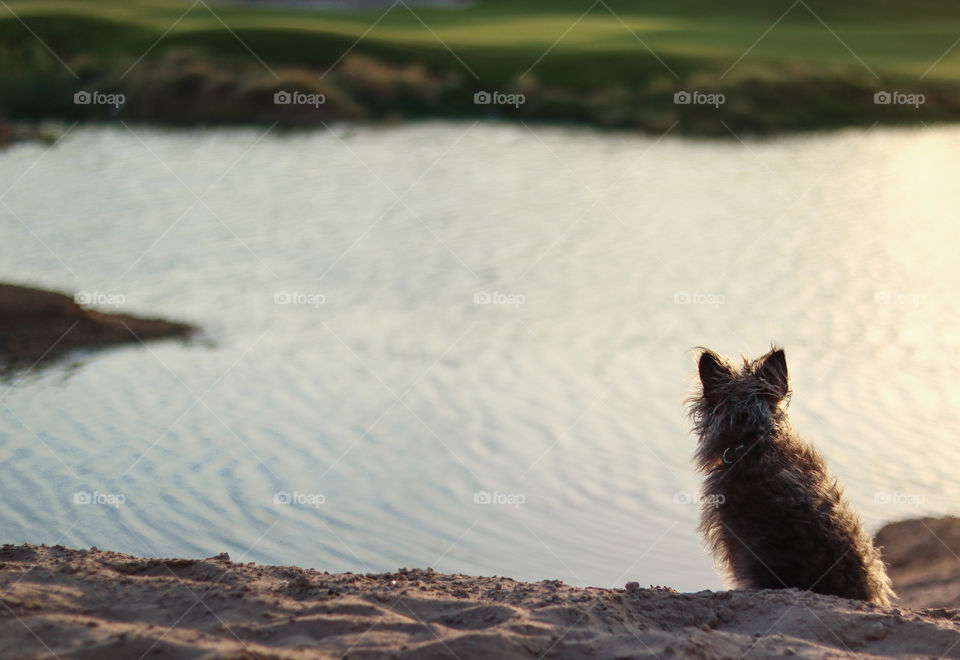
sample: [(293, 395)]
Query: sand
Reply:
[(68, 603)]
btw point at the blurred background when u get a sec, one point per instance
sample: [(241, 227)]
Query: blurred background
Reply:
[(450, 262)]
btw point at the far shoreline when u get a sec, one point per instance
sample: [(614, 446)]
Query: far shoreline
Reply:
[(47, 132), (311, 69)]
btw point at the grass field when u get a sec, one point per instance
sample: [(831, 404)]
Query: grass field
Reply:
[(585, 61)]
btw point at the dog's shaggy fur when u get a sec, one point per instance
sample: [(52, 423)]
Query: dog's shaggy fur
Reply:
[(771, 513)]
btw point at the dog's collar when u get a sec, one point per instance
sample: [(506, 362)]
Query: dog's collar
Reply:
[(733, 454)]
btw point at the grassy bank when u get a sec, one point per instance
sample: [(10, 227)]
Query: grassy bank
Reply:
[(758, 66)]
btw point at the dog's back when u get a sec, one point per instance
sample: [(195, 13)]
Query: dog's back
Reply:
[(775, 518)]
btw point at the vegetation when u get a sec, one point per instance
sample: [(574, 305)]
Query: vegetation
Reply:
[(776, 65)]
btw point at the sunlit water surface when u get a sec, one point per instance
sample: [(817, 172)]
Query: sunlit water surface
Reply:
[(392, 406)]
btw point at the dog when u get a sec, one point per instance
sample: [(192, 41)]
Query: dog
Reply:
[(771, 514)]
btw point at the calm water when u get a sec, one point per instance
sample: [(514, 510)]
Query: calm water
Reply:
[(389, 403)]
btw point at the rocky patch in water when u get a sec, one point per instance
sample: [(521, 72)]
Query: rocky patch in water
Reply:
[(37, 326)]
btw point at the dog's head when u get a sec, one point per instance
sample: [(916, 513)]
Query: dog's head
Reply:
[(736, 406)]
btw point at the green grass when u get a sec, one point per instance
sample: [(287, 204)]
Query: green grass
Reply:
[(854, 46), (888, 37)]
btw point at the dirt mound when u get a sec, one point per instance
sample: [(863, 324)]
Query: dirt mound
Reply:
[(923, 560)]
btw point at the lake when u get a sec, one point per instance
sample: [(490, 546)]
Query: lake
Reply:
[(467, 346)]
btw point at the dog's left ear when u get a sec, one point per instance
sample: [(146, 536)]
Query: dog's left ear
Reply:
[(714, 373), (773, 371)]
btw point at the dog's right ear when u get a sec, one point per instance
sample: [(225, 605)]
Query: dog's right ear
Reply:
[(713, 373), (773, 370)]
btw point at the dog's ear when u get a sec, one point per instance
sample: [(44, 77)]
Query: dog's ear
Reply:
[(713, 373), (773, 371)]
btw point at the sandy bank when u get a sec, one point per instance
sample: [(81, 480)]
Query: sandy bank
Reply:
[(99, 604), (923, 560)]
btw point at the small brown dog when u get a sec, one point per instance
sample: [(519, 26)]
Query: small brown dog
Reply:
[(773, 516)]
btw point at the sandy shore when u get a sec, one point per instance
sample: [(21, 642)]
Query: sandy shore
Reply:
[(61, 602)]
